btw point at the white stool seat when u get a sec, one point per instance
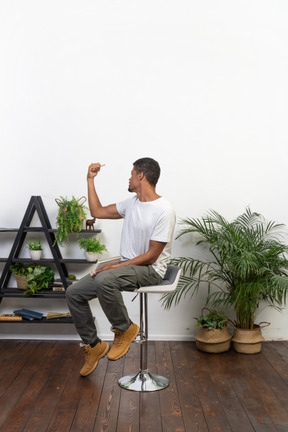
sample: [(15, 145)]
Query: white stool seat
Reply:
[(167, 285), (143, 380)]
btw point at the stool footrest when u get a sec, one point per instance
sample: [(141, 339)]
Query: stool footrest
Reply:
[(143, 382)]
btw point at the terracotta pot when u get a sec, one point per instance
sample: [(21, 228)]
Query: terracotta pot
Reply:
[(213, 341)]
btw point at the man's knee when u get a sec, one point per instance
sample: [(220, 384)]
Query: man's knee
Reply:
[(103, 277), (70, 292), (76, 289), (105, 281)]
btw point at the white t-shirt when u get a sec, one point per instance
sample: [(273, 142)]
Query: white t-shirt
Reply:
[(145, 221)]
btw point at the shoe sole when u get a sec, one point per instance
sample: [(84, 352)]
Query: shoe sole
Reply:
[(101, 356), (120, 356)]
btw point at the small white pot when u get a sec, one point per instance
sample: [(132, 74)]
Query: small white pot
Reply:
[(91, 256), (35, 254)]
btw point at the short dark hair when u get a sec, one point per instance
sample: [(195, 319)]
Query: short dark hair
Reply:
[(150, 169)]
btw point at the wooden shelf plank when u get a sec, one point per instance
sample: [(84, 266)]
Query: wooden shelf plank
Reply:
[(15, 292), (40, 229), (51, 260)]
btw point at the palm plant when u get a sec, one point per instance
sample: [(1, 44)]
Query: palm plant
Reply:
[(246, 265)]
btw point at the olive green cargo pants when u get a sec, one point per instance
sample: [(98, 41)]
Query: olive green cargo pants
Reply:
[(107, 287)]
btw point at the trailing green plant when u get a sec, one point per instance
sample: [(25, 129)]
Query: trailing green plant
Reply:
[(91, 245), (38, 277), (19, 269), (246, 266), (71, 214), (213, 320), (34, 245)]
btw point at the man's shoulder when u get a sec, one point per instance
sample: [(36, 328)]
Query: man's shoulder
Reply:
[(129, 201), (126, 204), (164, 203)]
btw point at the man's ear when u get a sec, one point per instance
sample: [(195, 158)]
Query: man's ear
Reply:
[(141, 176)]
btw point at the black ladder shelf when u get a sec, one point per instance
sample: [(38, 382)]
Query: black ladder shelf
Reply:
[(36, 205)]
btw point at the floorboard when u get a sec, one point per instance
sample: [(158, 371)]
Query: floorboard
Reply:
[(41, 390)]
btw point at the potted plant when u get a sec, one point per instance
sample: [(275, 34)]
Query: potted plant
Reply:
[(71, 214), (20, 272), (33, 278), (35, 249), (212, 334), (38, 277), (246, 265), (92, 248)]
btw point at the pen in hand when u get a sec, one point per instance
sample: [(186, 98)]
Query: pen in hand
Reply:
[(93, 169)]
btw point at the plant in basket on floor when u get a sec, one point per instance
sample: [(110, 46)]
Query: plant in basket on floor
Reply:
[(245, 267), (212, 334)]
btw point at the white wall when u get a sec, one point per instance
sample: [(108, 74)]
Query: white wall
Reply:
[(200, 86)]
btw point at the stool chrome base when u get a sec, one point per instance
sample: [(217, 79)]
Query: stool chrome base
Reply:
[(143, 382)]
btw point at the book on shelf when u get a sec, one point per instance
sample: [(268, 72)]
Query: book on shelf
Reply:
[(28, 314), (10, 317), (53, 315), (58, 288)]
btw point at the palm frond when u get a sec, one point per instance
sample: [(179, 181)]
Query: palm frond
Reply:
[(194, 273), (247, 264)]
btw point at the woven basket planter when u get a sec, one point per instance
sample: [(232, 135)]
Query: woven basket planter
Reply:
[(21, 282), (248, 341), (213, 341)]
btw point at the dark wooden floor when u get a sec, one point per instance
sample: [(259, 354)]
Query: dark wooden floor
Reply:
[(41, 390)]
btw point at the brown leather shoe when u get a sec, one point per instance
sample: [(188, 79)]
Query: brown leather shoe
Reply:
[(92, 356), (122, 342)]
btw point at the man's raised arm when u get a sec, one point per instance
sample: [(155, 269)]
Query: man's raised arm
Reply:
[(96, 209)]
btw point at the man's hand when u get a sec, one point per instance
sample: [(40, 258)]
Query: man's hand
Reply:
[(94, 169), (108, 267)]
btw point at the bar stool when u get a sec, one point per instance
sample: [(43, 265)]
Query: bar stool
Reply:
[(144, 381)]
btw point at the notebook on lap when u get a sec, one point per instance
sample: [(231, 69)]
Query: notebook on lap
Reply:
[(108, 261)]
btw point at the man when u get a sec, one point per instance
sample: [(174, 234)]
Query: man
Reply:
[(149, 222)]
